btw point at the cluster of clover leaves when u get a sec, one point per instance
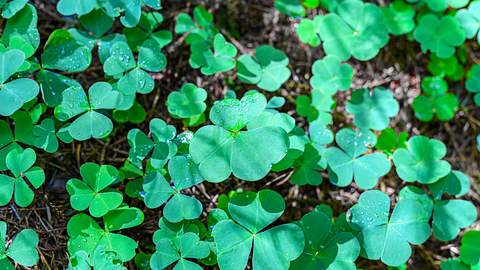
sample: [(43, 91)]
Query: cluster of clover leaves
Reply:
[(242, 137)]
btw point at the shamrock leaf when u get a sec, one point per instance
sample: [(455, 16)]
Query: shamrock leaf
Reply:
[(22, 250), (472, 83), (23, 26), (469, 20), (45, 137), (71, 7), (446, 220), (469, 249), (145, 35), (421, 160), (455, 184), (52, 86), (11, 8), (250, 214), (441, 5), (188, 102), (399, 17), (307, 168), (331, 75), (439, 35), (63, 52), (15, 93), (388, 237), (136, 114), (350, 161), (436, 101), (86, 235), (449, 67), (133, 77), (292, 8), (372, 110), (211, 62), (141, 145), (90, 123), (268, 69), (200, 28), (20, 163), (389, 140), (92, 192), (357, 30), (223, 148), (184, 174), (308, 31), (187, 247), (326, 247)]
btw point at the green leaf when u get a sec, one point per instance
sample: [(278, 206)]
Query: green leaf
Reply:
[(211, 62), (331, 75), (188, 102), (268, 69), (23, 24), (455, 184), (372, 110), (469, 20), (23, 248), (326, 248), (96, 22), (436, 102), (473, 81), (135, 115), (91, 192), (446, 220), (272, 248), (120, 60), (356, 30), (399, 17), (52, 86), (469, 249), (15, 93), (421, 161), (45, 137), (389, 140), (123, 217), (350, 161), (439, 35), (307, 168), (388, 237), (12, 7), (150, 57), (308, 31), (64, 53), (71, 7), (449, 67), (189, 246), (290, 7)]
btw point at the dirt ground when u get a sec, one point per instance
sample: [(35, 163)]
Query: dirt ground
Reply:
[(248, 23)]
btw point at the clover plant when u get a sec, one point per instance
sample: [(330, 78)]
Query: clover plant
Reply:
[(22, 250), (436, 101)]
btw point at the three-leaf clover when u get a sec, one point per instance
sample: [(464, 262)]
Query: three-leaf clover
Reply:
[(132, 74), (15, 93), (86, 235), (327, 246), (92, 192), (388, 237), (356, 29), (220, 59), (469, 20), (399, 17), (200, 28), (421, 160), (178, 206), (436, 101), (45, 137), (251, 213), (331, 75), (22, 250), (224, 148), (372, 110), (19, 162), (351, 161), (268, 69), (90, 123), (161, 147), (188, 246), (23, 27), (188, 102), (388, 141), (439, 35)]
